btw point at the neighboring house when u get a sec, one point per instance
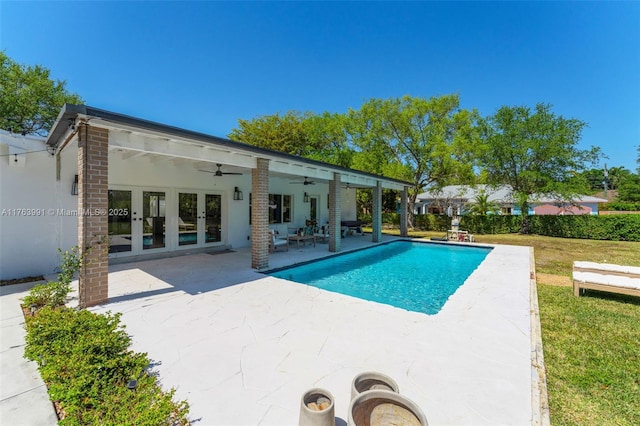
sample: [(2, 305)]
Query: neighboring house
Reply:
[(155, 190), (455, 199)]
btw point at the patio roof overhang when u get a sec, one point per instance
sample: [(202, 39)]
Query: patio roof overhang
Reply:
[(134, 137)]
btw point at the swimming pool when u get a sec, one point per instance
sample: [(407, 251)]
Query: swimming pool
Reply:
[(411, 275)]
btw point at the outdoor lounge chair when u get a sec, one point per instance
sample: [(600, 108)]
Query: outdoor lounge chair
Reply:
[(185, 226), (274, 242), (606, 277), (349, 227)]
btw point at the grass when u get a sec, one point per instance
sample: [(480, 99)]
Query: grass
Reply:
[(592, 343), (592, 357)]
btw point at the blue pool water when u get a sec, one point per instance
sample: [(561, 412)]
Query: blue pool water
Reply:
[(183, 238), (415, 276)]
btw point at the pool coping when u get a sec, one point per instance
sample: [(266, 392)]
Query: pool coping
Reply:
[(539, 392)]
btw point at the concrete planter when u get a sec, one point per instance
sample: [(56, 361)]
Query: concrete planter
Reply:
[(372, 380), (382, 407), (317, 408)]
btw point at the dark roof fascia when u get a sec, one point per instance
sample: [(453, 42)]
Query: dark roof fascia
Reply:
[(70, 111)]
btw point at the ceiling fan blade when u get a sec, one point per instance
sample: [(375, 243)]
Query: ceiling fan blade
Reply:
[(231, 173), (206, 171), (305, 182)]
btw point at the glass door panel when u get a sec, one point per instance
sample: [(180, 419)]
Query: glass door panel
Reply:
[(120, 237), (213, 218), (286, 209), (187, 219), (313, 208), (153, 211)]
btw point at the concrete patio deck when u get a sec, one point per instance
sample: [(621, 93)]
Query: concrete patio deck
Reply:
[(243, 347)]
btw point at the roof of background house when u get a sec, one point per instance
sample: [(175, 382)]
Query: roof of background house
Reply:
[(464, 193), (501, 194)]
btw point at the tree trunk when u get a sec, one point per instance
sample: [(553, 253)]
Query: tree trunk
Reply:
[(524, 227), (411, 205)]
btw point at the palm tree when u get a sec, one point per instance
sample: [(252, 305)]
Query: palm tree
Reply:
[(481, 205)]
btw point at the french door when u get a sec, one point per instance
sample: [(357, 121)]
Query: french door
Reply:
[(155, 220), (199, 218), (120, 221)]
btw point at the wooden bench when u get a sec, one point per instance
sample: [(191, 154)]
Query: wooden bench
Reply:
[(606, 277)]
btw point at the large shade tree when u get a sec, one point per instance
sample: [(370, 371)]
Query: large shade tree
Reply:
[(317, 136), (423, 141), (535, 151), (281, 132), (30, 99)]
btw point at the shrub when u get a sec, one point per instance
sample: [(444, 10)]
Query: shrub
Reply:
[(364, 218), (431, 222), (85, 361), (614, 227), (593, 227), (620, 206), (52, 294), (70, 263), (55, 293), (491, 224)]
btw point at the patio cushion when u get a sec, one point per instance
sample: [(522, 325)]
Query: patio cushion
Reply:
[(612, 280), (608, 267)]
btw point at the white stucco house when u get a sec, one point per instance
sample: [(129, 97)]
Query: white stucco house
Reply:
[(130, 188), (454, 199)]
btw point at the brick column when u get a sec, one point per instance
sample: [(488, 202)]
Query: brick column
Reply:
[(403, 212), (259, 214), (93, 222), (376, 217), (335, 213)]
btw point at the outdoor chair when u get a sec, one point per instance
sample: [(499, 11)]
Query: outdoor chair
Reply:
[(606, 277), (185, 226), (274, 242), (322, 232)]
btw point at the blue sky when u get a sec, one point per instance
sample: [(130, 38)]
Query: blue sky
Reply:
[(204, 65)]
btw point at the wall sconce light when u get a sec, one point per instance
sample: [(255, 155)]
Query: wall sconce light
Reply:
[(306, 198), (237, 194), (74, 186)]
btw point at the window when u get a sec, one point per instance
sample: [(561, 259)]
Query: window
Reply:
[(279, 208), (275, 208), (286, 208)]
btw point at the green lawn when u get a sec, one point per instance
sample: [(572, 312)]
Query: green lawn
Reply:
[(592, 343)]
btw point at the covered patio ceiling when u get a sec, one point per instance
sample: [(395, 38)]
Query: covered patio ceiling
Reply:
[(131, 137)]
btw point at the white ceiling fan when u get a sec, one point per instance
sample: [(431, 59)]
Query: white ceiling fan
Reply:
[(219, 172), (305, 182)]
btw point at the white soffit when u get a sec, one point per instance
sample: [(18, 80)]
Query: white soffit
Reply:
[(135, 142)]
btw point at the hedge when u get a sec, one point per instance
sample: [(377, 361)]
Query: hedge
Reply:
[(611, 227), (620, 206), (93, 376)]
